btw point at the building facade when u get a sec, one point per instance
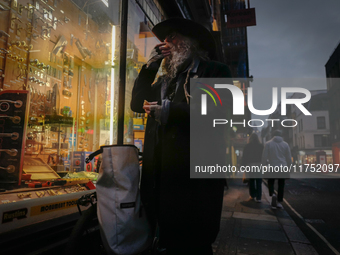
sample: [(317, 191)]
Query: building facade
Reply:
[(311, 135), (333, 88)]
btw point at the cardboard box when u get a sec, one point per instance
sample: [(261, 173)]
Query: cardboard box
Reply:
[(138, 121), (139, 144), (138, 134)]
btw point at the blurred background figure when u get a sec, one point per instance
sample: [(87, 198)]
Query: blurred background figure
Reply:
[(252, 155), (277, 153)]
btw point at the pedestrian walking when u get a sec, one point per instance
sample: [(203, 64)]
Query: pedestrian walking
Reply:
[(277, 153), (186, 210), (252, 156)]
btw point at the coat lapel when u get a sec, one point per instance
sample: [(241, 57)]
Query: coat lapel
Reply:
[(197, 71)]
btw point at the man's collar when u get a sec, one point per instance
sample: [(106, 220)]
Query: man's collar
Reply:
[(195, 67)]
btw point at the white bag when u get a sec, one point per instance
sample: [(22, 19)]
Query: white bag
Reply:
[(123, 224)]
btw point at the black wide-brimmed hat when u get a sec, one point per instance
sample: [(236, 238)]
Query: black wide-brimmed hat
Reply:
[(187, 28)]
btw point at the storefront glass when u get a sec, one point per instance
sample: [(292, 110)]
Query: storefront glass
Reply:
[(59, 81), (140, 42)]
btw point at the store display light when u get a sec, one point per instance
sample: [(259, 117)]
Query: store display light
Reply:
[(113, 46)]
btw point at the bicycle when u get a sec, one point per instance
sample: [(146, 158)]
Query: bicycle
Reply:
[(85, 237)]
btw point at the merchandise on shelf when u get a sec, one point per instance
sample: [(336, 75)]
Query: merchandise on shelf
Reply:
[(56, 59)]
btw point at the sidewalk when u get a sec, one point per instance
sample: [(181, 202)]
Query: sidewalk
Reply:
[(252, 228)]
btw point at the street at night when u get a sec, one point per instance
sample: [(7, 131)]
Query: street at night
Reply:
[(316, 200)]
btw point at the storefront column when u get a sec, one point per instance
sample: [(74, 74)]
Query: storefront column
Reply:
[(122, 72)]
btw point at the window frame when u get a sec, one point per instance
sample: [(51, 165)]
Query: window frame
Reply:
[(321, 124)]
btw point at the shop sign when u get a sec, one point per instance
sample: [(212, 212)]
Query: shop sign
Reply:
[(241, 18), (15, 214), (52, 207)]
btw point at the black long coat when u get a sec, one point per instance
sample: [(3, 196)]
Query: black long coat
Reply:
[(188, 210), (252, 153)]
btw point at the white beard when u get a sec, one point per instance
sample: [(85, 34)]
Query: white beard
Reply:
[(179, 54)]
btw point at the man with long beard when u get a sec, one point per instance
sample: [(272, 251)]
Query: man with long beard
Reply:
[(187, 211)]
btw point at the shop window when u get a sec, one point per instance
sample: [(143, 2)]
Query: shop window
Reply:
[(140, 42), (64, 53)]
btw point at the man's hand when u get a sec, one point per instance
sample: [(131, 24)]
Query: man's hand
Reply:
[(164, 48), (159, 52), (148, 106)]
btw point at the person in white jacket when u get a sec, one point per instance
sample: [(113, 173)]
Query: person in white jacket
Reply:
[(277, 153)]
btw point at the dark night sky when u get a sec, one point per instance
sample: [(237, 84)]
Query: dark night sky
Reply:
[(292, 39)]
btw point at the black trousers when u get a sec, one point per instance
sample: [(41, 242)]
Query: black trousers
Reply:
[(280, 190), (255, 188)]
